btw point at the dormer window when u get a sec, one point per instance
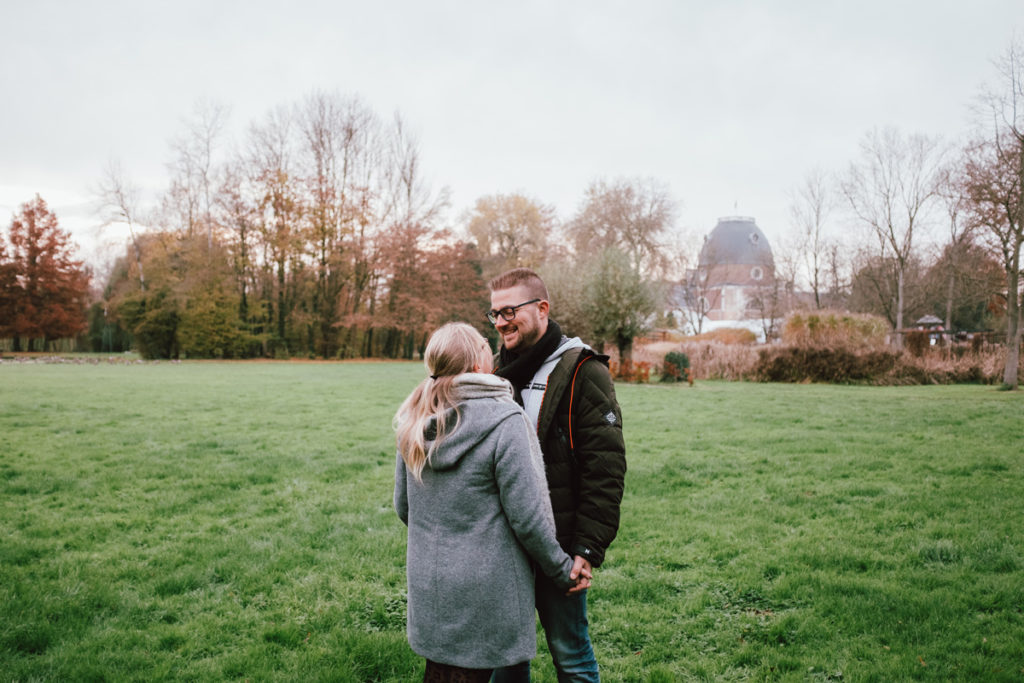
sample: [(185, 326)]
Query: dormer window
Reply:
[(754, 237)]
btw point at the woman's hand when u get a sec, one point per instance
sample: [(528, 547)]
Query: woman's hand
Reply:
[(581, 573)]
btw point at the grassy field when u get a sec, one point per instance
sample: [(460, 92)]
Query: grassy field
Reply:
[(215, 521)]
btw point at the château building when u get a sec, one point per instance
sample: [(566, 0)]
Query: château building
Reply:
[(733, 284), (734, 269)]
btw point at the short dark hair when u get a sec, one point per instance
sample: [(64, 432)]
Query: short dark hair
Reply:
[(520, 276)]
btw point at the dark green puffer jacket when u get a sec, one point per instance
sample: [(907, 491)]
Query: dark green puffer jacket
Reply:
[(586, 481)]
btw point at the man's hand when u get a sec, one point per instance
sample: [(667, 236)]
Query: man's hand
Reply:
[(581, 573)]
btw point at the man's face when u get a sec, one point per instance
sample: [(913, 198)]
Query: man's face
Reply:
[(529, 324)]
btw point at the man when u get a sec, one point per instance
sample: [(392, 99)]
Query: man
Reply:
[(567, 391)]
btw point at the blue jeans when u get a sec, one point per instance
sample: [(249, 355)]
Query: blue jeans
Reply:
[(564, 618)]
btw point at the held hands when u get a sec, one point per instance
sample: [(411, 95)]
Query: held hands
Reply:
[(581, 573)]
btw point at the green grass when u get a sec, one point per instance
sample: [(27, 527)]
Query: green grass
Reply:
[(216, 521)]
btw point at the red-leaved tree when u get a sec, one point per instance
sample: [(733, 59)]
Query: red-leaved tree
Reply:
[(8, 282), (44, 289)]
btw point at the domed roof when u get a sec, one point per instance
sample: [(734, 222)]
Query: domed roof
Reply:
[(736, 240)]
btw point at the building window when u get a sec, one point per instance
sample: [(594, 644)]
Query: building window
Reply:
[(754, 237), (757, 273)]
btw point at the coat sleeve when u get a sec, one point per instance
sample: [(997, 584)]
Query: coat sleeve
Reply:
[(401, 497), (600, 453), (523, 491)]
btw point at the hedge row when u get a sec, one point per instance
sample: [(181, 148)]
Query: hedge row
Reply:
[(949, 365), (837, 366)]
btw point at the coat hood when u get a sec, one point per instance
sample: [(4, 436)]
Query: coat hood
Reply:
[(484, 403), (563, 346)]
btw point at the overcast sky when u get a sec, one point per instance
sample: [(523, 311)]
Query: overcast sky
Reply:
[(728, 103)]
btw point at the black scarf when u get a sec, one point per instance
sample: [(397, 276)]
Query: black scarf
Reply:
[(519, 368)]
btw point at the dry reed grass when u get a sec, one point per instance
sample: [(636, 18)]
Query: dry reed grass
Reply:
[(835, 329), (726, 335), (945, 365), (708, 359), (734, 362)]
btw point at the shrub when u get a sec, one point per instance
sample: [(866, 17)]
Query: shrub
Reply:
[(727, 335), (940, 366), (714, 360), (804, 364), (835, 329), (842, 366), (916, 342), (153, 319), (977, 363), (629, 371), (209, 328), (675, 367)]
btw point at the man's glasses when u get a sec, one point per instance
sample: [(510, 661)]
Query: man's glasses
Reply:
[(509, 312)]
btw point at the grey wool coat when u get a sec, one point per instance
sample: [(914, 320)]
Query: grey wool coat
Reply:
[(479, 516)]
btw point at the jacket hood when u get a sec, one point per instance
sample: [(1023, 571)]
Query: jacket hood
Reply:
[(565, 345), (484, 402)]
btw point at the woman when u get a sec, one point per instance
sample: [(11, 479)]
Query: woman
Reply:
[(469, 484)]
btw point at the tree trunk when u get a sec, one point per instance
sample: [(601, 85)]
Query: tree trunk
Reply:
[(368, 345), (1013, 337), (280, 301), (625, 347), (138, 261), (899, 309), (1013, 331), (816, 283), (949, 299)]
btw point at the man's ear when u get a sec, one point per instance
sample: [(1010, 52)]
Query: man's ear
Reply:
[(544, 307)]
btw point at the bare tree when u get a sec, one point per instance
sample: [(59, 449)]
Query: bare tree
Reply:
[(410, 197), (959, 232), (271, 170), (407, 212), (361, 180), (837, 275), (683, 292), (119, 203), (994, 177), (345, 149), (510, 231), (192, 167), (773, 297), (334, 132), (238, 213), (810, 207), (874, 285), (701, 292), (632, 215), (694, 299), (977, 282), (890, 190)]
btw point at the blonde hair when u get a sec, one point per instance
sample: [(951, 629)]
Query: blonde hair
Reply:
[(452, 350)]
